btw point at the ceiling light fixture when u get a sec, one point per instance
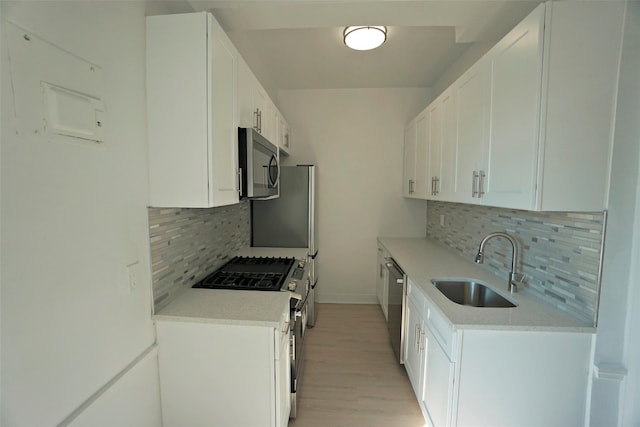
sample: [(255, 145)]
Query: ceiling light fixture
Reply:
[(364, 37)]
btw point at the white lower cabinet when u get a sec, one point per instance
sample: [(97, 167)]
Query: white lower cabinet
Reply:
[(414, 339), (464, 377), (224, 375), (437, 394)]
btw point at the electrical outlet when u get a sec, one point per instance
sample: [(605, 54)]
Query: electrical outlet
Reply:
[(442, 223), (132, 269)]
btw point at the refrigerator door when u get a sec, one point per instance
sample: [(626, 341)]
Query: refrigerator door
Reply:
[(288, 221)]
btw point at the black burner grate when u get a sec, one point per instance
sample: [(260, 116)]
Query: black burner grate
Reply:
[(249, 273)]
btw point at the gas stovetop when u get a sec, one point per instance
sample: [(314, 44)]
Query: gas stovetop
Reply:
[(249, 273)]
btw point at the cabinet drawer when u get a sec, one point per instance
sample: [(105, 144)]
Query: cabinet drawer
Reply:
[(441, 328), (415, 295)]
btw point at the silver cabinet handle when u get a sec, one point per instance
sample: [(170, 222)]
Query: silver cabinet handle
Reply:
[(240, 182), (474, 184), (416, 338), (422, 335), (481, 184), (411, 185), (258, 120), (435, 181)]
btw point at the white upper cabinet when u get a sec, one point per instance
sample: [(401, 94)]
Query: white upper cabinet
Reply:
[(441, 146), (534, 116), (284, 138), (191, 108), (516, 79), (415, 181), (247, 114), (256, 110), (472, 112), (253, 101), (580, 82), (409, 159)]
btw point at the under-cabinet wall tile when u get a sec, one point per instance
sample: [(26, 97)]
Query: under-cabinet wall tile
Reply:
[(186, 244)]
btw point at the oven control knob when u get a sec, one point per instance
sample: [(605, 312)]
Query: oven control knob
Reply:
[(292, 286)]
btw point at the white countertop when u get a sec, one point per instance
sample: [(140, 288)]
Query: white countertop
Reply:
[(221, 306), (424, 259)]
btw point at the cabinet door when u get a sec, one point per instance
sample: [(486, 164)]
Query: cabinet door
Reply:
[(448, 124), (409, 168), (193, 148), (516, 81), (283, 376), (416, 134), (223, 133), (204, 367), (414, 345), (246, 106), (441, 115), (261, 103), (472, 106), (178, 157), (437, 395), (422, 185), (434, 148)]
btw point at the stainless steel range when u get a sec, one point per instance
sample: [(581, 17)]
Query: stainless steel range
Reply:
[(272, 274)]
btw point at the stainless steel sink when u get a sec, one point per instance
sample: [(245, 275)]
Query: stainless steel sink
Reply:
[(467, 292)]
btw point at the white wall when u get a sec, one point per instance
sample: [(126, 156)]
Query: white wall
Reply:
[(614, 399), (355, 136), (73, 217)]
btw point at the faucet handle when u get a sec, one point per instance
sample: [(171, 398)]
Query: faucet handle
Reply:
[(519, 278), (515, 281)]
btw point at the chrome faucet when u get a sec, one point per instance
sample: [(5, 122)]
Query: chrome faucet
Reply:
[(515, 279)]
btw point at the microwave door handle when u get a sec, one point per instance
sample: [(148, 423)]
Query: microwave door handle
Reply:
[(273, 164)]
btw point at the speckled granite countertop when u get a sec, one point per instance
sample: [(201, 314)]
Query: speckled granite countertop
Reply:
[(251, 308), (423, 259)]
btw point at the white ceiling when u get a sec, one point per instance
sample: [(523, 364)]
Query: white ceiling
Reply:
[(298, 44)]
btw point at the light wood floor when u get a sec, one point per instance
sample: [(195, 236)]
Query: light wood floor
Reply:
[(351, 377)]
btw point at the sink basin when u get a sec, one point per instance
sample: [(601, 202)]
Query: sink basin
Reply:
[(467, 292)]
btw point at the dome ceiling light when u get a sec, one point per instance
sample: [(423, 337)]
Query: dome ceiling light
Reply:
[(364, 37)]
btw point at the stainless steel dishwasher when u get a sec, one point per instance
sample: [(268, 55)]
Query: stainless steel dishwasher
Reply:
[(396, 291)]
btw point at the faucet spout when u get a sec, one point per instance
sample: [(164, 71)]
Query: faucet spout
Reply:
[(514, 278)]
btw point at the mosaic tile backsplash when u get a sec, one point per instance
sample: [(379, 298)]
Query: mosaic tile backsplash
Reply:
[(559, 251), (186, 244)]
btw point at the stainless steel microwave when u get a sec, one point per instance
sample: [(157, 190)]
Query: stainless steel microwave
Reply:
[(259, 167)]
